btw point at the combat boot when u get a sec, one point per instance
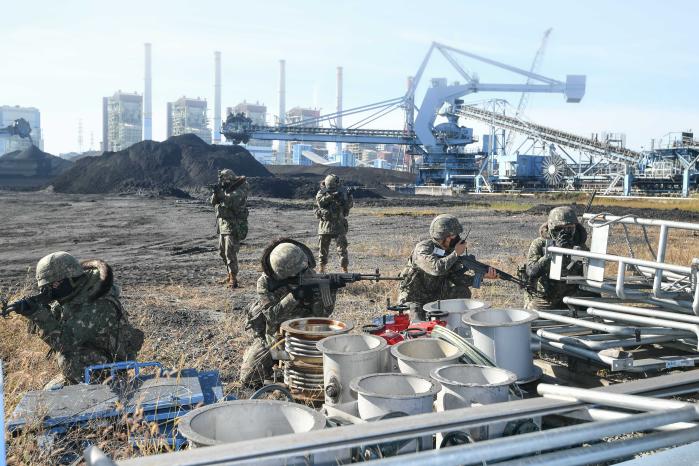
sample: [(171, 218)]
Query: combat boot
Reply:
[(322, 268), (227, 280), (234, 281), (344, 268)]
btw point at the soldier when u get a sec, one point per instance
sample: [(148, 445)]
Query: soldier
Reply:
[(79, 315), (333, 203), (563, 230), (277, 302), (434, 271), (230, 203)]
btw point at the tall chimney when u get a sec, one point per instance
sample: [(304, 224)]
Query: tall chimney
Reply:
[(148, 99), (217, 98), (338, 119), (281, 148)]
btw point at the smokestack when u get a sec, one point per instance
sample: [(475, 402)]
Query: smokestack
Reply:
[(148, 99), (338, 119), (217, 98), (281, 149)]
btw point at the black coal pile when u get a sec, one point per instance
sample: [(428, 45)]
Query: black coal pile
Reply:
[(30, 168), (180, 162), (301, 188)]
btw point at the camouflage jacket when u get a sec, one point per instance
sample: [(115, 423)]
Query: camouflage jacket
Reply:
[(433, 273), (332, 209), (538, 265), (91, 317), (276, 305), (232, 211)]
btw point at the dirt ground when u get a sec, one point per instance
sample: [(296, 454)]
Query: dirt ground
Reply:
[(164, 254)]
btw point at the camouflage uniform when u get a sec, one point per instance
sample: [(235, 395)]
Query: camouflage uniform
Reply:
[(86, 327), (538, 267), (276, 304), (333, 204), (232, 224), (433, 274)]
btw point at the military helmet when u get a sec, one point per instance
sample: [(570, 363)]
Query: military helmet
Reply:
[(445, 225), (332, 181), (561, 216), (287, 260), (56, 267), (226, 174)]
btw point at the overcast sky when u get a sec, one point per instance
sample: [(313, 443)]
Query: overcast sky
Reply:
[(640, 57)]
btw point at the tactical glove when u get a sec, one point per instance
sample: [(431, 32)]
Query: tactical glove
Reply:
[(22, 307)]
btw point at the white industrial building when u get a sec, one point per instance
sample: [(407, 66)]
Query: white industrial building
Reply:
[(122, 121), (10, 113)]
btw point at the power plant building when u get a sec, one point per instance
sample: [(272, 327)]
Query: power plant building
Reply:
[(10, 113), (309, 116), (122, 121), (188, 116)]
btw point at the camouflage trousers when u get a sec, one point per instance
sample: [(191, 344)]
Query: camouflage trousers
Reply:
[(324, 248), (228, 247), (257, 363), (73, 364)]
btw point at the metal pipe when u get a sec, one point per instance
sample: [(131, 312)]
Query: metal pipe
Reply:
[(635, 402), (677, 305), (641, 221), (621, 259), (641, 311), (662, 245), (608, 328), (607, 451), (600, 345), (600, 414), (620, 273), (642, 320), (289, 446), (615, 364), (524, 444)]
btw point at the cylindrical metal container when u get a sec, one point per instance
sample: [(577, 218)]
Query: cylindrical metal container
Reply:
[(456, 308), (503, 335), (464, 385), (346, 357), (380, 394), (235, 421), (422, 355), (303, 374)]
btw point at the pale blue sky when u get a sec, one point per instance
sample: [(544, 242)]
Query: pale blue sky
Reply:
[(640, 57)]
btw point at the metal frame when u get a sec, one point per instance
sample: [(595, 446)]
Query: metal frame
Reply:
[(287, 447)]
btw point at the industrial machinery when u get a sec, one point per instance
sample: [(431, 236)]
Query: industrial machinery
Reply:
[(439, 145), (19, 127)]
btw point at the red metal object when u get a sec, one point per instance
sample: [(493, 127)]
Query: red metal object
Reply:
[(428, 326)]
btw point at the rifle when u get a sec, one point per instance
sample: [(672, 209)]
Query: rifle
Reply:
[(326, 282), (218, 187), (469, 262), (43, 298)]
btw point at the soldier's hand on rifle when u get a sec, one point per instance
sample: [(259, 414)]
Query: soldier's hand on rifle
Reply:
[(492, 274), (21, 307), (460, 247)]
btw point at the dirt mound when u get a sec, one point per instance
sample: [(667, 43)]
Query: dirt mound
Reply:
[(301, 188), (30, 168), (303, 181), (180, 162)]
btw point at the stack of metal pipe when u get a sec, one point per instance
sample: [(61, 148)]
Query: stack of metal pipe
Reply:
[(644, 303)]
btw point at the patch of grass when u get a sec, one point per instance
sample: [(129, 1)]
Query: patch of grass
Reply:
[(689, 205)]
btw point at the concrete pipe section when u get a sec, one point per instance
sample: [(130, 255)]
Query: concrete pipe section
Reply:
[(380, 394), (456, 308), (303, 374), (235, 421), (422, 355), (346, 357), (464, 385), (504, 336)]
